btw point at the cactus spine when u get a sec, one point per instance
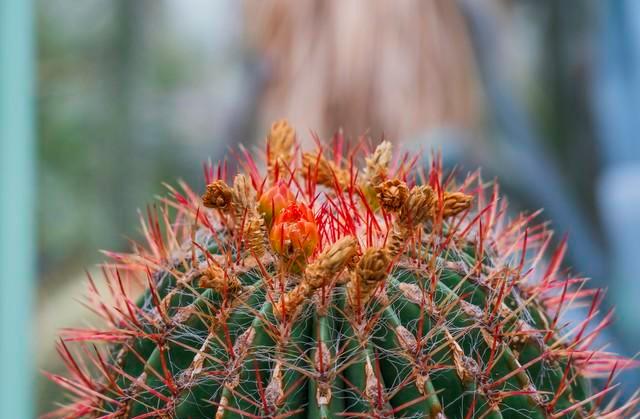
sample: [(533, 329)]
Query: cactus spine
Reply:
[(321, 290)]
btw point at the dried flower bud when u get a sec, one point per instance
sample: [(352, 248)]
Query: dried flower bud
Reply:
[(397, 239), (377, 164), (255, 235), (392, 194), (244, 196), (372, 267), (419, 206), (294, 234), (370, 271), (218, 195), (454, 203), (214, 277), (280, 147), (246, 216), (328, 264), (274, 201), (331, 261), (324, 172), (290, 301)]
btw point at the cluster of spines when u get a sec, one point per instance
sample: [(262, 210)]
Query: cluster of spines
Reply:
[(368, 224)]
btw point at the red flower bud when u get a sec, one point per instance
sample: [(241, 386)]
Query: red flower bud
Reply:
[(274, 201), (294, 234)]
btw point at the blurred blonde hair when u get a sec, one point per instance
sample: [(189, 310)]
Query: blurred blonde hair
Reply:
[(383, 67)]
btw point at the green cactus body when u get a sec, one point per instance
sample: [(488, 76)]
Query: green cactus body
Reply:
[(413, 302)]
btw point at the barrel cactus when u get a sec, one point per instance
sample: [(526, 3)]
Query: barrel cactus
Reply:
[(338, 282)]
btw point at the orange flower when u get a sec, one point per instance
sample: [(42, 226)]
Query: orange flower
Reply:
[(274, 201), (294, 234)]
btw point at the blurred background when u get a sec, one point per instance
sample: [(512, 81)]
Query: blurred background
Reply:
[(101, 101)]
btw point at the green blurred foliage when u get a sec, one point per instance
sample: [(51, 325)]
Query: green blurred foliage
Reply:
[(115, 92), (130, 95)]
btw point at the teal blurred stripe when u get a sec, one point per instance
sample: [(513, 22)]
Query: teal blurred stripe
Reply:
[(17, 199)]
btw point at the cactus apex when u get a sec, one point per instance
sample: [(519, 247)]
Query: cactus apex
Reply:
[(337, 284)]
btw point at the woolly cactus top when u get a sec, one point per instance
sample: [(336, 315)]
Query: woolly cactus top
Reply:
[(339, 282)]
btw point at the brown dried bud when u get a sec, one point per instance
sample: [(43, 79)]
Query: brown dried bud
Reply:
[(372, 267), (214, 277), (367, 275), (324, 172), (244, 196), (280, 138), (289, 302), (246, 216), (377, 164), (280, 146), (419, 206), (328, 264), (255, 235), (397, 239), (392, 194), (217, 195), (455, 203)]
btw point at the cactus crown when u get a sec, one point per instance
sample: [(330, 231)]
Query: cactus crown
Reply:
[(339, 284)]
